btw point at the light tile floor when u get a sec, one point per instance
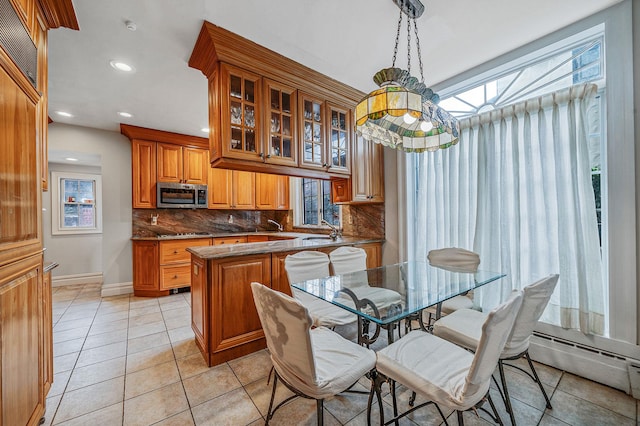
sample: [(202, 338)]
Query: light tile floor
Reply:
[(129, 360)]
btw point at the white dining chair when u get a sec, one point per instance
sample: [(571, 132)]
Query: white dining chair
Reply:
[(462, 328), (307, 265), (457, 260), (443, 373), (315, 363)]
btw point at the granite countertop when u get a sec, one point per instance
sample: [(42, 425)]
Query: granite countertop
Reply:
[(299, 243)]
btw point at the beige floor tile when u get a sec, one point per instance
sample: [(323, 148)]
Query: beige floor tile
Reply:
[(601, 395), (577, 411), (143, 310), (64, 362), (548, 375), (112, 309), (548, 420), (102, 339), (212, 383), (68, 346), (146, 329), (114, 316), (178, 321), (145, 319), (191, 365), (72, 315), (361, 419), (177, 304), (301, 411), (251, 367), (172, 298), (525, 414), (181, 419), (232, 408), (155, 406), (150, 379), (59, 384), (70, 325), (424, 416), (101, 353), (524, 389), (91, 398), (72, 334), (179, 312), (185, 348), (346, 406), (139, 302), (96, 373), (181, 333), (106, 327), (51, 406), (149, 358), (111, 415), (145, 342)]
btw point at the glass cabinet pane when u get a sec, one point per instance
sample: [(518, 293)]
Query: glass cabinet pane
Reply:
[(280, 124), (339, 139), (313, 137), (243, 113)]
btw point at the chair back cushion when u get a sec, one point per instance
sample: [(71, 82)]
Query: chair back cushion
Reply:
[(306, 265), (535, 299), (495, 330), (286, 324), (454, 259), (348, 259)]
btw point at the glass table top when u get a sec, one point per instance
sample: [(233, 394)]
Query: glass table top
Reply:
[(390, 293)]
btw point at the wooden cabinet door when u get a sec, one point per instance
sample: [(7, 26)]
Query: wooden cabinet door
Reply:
[(374, 254), (360, 172), (195, 165), (145, 268), (234, 313), (339, 130), (280, 145), (220, 188), (47, 332), (240, 113), (21, 352), (272, 192), (279, 278), (143, 158), (200, 294), (244, 190), (169, 163), (312, 132), (376, 172)]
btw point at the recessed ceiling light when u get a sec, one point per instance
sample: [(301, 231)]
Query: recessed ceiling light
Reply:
[(64, 114), (205, 129), (125, 114), (121, 66), (71, 159)]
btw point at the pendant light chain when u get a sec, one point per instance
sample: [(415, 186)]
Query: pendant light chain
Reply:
[(395, 49), (408, 44), (415, 28)]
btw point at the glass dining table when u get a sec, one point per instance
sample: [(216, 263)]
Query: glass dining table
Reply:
[(386, 295)]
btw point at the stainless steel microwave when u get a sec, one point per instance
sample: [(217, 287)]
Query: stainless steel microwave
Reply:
[(181, 196)]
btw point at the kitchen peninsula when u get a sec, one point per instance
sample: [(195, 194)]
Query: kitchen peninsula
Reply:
[(223, 314)]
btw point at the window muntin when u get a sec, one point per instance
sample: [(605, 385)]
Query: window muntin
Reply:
[(316, 203)]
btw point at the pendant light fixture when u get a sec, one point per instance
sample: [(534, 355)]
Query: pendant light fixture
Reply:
[(403, 113)]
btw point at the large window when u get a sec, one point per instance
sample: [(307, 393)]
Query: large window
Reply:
[(315, 204), (523, 186), (75, 203)]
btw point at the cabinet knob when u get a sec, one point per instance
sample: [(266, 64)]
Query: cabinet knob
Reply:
[(262, 155), (175, 252), (175, 277), (268, 155)]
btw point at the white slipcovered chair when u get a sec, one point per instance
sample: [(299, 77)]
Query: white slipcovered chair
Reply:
[(314, 363), (457, 260), (443, 373), (307, 265), (463, 328)]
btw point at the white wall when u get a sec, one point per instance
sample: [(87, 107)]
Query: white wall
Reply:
[(108, 253)]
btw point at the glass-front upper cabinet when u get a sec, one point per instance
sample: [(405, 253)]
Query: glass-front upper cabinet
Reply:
[(339, 143), (280, 147), (312, 133), (240, 113)]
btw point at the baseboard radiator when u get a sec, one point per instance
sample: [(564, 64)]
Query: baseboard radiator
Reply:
[(608, 368)]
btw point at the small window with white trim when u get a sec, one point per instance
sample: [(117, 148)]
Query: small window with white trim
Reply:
[(313, 203), (76, 203)]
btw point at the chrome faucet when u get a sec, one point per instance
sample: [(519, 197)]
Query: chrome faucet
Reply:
[(280, 228), (335, 232)]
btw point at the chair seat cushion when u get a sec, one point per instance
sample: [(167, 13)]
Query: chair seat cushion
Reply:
[(462, 327), (324, 313), (432, 367), (456, 303), (381, 297), (339, 364)]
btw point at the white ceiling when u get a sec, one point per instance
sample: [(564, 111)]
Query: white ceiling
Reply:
[(346, 40)]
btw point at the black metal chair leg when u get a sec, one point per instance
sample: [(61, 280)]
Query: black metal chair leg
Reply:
[(273, 397), (320, 409), (376, 384), (412, 399), (460, 418), (395, 401), (507, 399), (537, 379), (495, 412)]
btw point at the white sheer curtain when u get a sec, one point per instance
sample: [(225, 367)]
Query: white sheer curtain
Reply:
[(517, 190)]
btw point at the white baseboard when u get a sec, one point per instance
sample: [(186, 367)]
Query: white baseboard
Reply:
[(116, 289), (91, 278), (600, 366)]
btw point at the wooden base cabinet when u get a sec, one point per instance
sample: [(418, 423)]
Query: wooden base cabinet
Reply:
[(224, 316), (21, 326)]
